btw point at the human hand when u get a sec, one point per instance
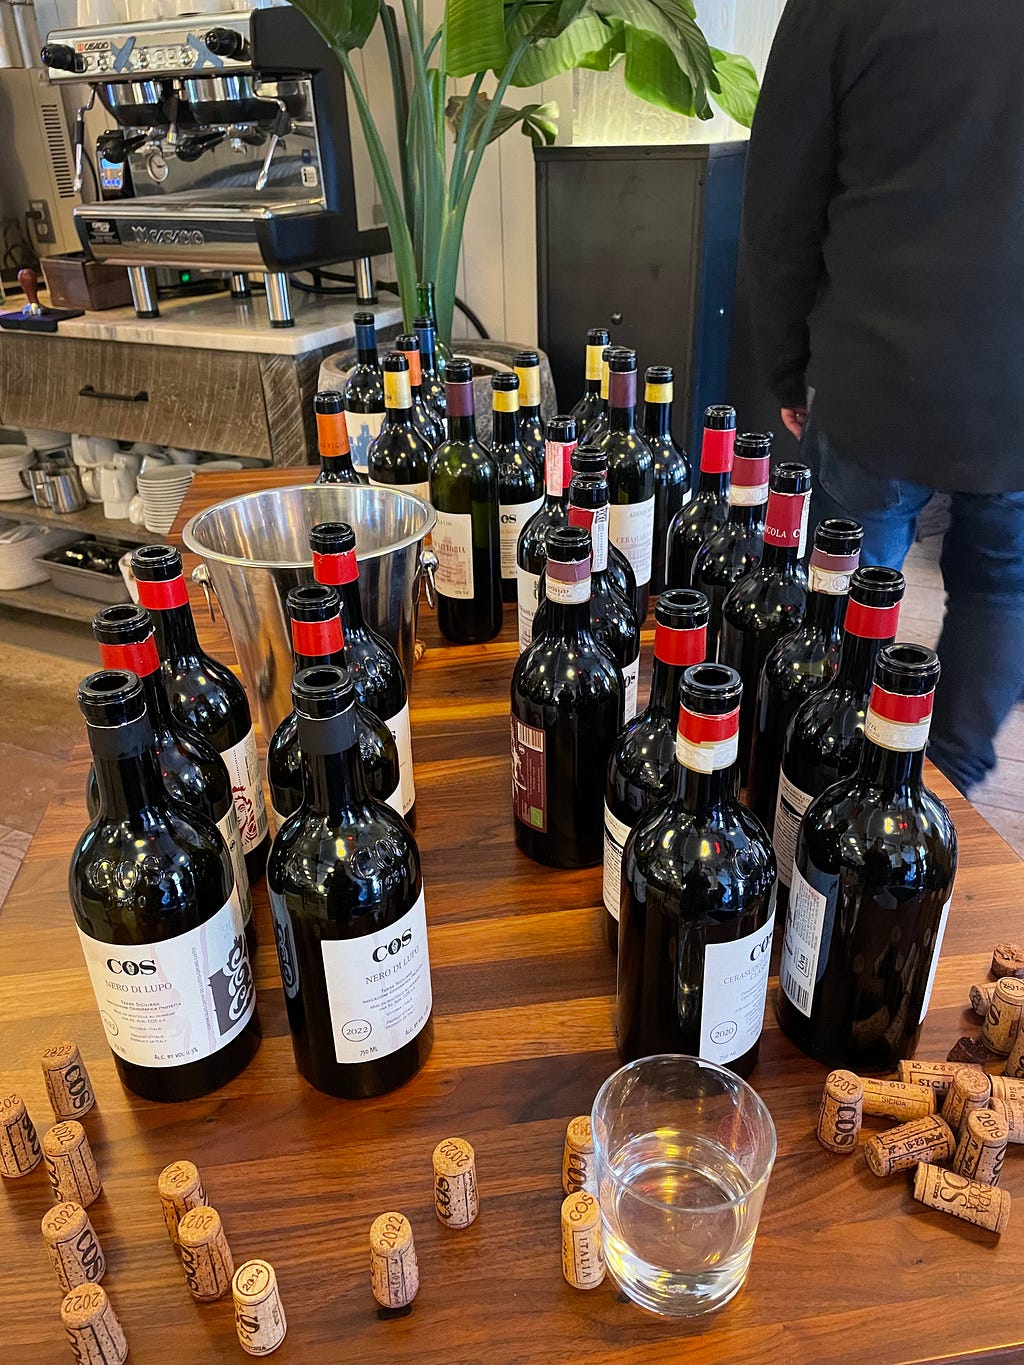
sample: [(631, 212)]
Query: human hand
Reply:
[(794, 419)]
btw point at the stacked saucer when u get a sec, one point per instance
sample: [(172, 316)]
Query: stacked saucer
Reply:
[(13, 459), (163, 490)]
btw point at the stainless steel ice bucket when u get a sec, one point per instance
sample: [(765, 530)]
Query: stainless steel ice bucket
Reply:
[(255, 548)]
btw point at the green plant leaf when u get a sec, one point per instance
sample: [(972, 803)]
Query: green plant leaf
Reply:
[(539, 121), (653, 74), (343, 24), (738, 86), (669, 21), (475, 36), (546, 18), (588, 42)]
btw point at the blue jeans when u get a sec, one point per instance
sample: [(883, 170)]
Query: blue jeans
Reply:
[(981, 648)]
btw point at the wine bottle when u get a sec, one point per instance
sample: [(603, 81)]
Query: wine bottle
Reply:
[(769, 602), (589, 406), (823, 739), (193, 772), (155, 903), (531, 425), (433, 384), (520, 486), (400, 456), (332, 440), (592, 435), (314, 612), (875, 864), (698, 870), (803, 661), (592, 464), (613, 621), (346, 893), (630, 475), (707, 509), (641, 771), (376, 669), (566, 711), (531, 553), (364, 392), (734, 549), (205, 694), (467, 537), (424, 418), (671, 467), (425, 308)]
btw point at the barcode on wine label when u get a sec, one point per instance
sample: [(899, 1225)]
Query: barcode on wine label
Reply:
[(529, 737), (799, 995)]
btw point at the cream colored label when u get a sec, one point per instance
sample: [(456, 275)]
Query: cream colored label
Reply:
[(228, 826), (399, 727), (896, 735), (418, 490), (789, 811), (940, 934), (243, 765), (453, 545), (529, 386), (397, 389), (733, 992), (594, 362), (527, 595), (616, 832), (805, 921), (658, 393), (631, 527), (512, 517), (747, 495)]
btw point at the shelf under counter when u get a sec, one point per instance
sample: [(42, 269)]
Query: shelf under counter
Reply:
[(90, 521)]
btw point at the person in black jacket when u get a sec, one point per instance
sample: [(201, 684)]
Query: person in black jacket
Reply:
[(884, 242)]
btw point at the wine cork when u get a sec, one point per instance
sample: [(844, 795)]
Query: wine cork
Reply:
[(971, 1089), (582, 1247), (840, 1113), (394, 1270), (181, 1189), (1014, 1069), (259, 1314), (982, 1146), (1007, 1088), (1002, 1022), (981, 998), (985, 1206), (72, 1246), (929, 1139), (456, 1201), (897, 1100), (578, 1171), (1008, 959), (67, 1081), (94, 1333), (70, 1164), (205, 1254), (19, 1145), (1013, 1112), (970, 1052), (938, 1076)]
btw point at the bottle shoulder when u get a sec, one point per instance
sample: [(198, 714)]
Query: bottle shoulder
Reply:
[(644, 755), (721, 855), (556, 670), (336, 870), (905, 833), (399, 446), (627, 452), (454, 458), (764, 592)]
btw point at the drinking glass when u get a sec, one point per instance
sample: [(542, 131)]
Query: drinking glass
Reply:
[(683, 1152)]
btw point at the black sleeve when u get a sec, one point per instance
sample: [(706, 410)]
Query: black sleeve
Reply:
[(789, 179)]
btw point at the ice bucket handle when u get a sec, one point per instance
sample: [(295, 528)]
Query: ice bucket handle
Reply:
[(428, 568), (201, 575)]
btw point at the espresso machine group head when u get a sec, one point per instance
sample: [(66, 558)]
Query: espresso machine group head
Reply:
[(229, 148)]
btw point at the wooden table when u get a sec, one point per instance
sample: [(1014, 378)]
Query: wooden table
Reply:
[(846, 1267)]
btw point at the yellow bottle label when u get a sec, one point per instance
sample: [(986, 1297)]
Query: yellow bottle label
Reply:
[(605, 372), (594, 362), (658, 393), (332, 434), (529, 385), (397, 392), (505, 400)]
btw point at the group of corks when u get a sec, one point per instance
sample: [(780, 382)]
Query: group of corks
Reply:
[(956, 1117)]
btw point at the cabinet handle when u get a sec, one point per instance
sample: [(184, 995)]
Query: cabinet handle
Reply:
[(90, 391)]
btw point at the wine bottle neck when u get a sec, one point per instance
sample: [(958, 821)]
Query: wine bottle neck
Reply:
[(778, 559), (333, 780), (658, 419), (706, 752), (891, 771), (336, 466), (702, 792), (128, 776), (895, 735), (824, 613), (592, 388), (174, 628), (749, 515), (427, 354), (505, 428), (461, 426), (715, 484), (399, 417), (857, 656), (665, 680), (567, 621), (622, 419)]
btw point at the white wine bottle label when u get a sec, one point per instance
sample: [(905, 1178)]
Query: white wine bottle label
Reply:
[(453, 545), (528, 596), (363, 430), (805, 922), (897, 722), (378, 988), (394, 800), (704, 744), (594, 520), (228, 826), (418, 490), (284, 939), (512, 517), (177, 1001), (936, 949), (557, 466), (529, 776), (243, 765), (399, 727), (733, 993), (631, 679), (789, 811), (631, 527), (616, 832), (830, 574)]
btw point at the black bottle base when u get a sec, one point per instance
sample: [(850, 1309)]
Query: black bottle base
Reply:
[(509, 590), (364, 1080), (172, 1084), (551, 852), (256, 860)]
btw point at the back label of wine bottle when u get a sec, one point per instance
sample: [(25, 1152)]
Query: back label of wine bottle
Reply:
[(363, 430), (399, 727), (616, 832), (228, 826), (243, 765), (453, 545), (733, 993), (378, 987), (631, 527), (418, 490), (529, 778), (805, 926), (528, 594), (631, 679), (177, 1001), (512, 517), (285, 942), (789, 811), (936, 948)]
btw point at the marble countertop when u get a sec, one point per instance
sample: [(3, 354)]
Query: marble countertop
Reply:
[(219, 323)]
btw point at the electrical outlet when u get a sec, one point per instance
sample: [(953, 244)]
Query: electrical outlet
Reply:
[(39, 213)]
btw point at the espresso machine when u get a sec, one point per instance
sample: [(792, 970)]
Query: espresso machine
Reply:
[(228, 148)]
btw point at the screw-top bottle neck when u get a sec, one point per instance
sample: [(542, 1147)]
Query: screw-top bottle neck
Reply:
[(120, 733), (658, 395), (707, 737), (828, 577), (505, 416), (675, 650), (366, 342), (167, 602), (898, 718), (592, 368), (866, 629), (141, 658), (317, 642), (333, 780), (339, 569), (622, 400), (529, 388), (460, 408)]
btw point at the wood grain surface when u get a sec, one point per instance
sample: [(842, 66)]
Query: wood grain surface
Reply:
[(845, 1268)]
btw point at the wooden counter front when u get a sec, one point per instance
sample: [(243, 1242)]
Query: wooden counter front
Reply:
[(846, 1267)]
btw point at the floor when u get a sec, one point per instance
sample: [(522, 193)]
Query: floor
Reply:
[(41, 665)]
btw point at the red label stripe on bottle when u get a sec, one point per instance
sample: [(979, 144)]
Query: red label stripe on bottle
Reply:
[(139, 656), (897, 722), (162, 596), (785, 518), (680, 648), (871, 623), (581, 516), (752, 473), (716, 451), (706, 744), (314, 639), (335, 570), (897, 707)]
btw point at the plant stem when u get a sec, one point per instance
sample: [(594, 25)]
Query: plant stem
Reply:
[(400, 93), (428, 208), (462, 141)]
